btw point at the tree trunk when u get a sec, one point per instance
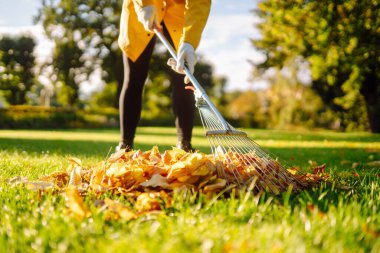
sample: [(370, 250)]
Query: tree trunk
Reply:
[(371, 93)]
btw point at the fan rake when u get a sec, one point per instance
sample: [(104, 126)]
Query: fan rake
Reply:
[(239, 160)]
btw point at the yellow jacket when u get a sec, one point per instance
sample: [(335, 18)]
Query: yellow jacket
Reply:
[(184, 19)]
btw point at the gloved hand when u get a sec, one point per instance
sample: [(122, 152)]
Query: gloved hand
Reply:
[(147, 16), (186, 54)]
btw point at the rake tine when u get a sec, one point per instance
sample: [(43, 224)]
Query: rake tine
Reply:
[(249, 161)]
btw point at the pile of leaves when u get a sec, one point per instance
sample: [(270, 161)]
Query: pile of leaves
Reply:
[(148, 178)]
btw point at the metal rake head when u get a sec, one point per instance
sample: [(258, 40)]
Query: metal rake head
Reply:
[(242, 161)]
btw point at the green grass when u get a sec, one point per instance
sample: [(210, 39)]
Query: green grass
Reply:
[(338, 216)]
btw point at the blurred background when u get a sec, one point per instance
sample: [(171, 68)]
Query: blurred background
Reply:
[(265, 64)]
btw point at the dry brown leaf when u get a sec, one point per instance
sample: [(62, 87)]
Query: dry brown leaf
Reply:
[(74, 162), (219, 184), (312, 163), (370, 231), (156, 181), (119, 210), (147, 202), (118, 169), (319, 169), (75, 177), (128, 173), (59, 178), (75, 203), (355, 165), (294, 170)]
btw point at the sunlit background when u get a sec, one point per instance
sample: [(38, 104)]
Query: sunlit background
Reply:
[(267, 64), (225, 42)]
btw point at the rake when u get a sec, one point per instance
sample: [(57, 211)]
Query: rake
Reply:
[(239, 160)]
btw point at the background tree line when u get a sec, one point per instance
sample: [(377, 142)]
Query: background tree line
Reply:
[(336, 41)]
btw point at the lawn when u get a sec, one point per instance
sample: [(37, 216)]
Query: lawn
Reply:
[(340, 215)]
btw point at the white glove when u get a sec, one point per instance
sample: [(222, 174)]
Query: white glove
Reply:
[(186, 54), (148, 16)]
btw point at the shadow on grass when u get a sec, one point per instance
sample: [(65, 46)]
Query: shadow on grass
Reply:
[(335, 159), (72, 147)]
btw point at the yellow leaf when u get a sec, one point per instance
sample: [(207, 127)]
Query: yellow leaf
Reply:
[(147, 202), (156, 181), (75, 177), (219, 184), (120, 210), (76, 204)]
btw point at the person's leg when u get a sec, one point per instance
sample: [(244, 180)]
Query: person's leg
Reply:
[(135, 74), (183, 106)]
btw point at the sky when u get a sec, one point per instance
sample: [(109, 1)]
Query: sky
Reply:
[(225, 41)]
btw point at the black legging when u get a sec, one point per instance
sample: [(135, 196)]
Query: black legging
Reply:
[(135, 74)]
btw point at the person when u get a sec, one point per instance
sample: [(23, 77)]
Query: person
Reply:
[(182, 22)]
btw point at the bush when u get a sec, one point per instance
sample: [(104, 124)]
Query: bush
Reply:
[(35, 117), (39, 117)]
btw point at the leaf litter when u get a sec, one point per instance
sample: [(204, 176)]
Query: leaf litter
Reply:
[(147, 179)]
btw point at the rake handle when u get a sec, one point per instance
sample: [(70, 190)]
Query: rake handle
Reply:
[(198, 88)]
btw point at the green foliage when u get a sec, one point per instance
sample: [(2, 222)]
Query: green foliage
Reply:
[(30, 117), (41, 117), (104, 98), (246, 109), (339, 39), (16, 68), (68, 65), (284, 104), (85, 34), (291, 103)]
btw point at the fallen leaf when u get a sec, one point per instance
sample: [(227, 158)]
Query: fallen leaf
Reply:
[(312, 209), (59, 178), (73, 162), (75, 203), (156, 181), (373, 233), (219, 184), (294, 170), (120, 210), (319, 169), (75, 177), (355, 165), (147, 202)]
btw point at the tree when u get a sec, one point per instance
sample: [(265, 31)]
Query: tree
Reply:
[(339, 39), (288, 102), (86, 33), (88, 29), (16, 68), (246, 108)]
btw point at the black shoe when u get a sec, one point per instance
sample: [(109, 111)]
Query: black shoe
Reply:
[(186, 146), (124, 146)]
